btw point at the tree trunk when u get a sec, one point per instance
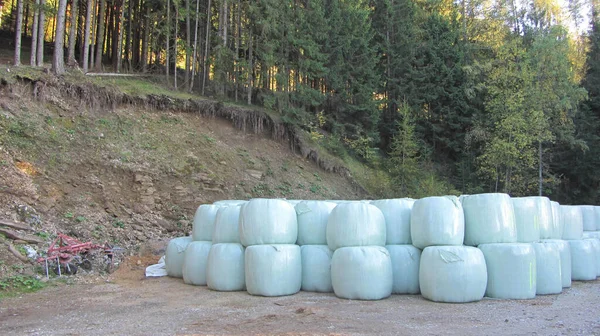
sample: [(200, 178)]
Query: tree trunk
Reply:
[(540, 168), (34, 33), (26, 19), (195, 52), (168, 37), (41, 32), (94, 34), (145, 38), (86, 38), (206, 48), (53, 29), (238, 34), (187, 41), (250, 71), (120, 38), (58, 60), (128, 41), (175, 45), (73, 34), (18, 29), (100, 37)]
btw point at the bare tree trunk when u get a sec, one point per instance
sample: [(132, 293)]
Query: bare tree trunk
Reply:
[(195, 52), (145, 38), (540, 168), (175, 46), (168, 34), (128, 46), (72, 34), (120, 38), (94, 34), (207, 43), (53, 29), (187, 41), (100, 36), (58, 60), (18, 32), (41, 33), (86, 38), (249, 99), (34, 33), (238, 34)]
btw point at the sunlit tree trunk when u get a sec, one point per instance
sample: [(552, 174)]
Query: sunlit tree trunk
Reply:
[(86, 37), (40, 40), (58, 61), (73, 34), (100, 36), (18, 32), (34, 33)]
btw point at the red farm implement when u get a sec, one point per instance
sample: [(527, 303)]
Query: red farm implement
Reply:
[(68, 253)]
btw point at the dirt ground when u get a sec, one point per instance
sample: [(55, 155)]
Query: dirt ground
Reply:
[(126, 303)]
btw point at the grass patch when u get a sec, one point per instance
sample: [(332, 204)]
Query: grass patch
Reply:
[(18, 284)]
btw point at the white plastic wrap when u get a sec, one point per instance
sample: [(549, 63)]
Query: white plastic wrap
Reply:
[(227, 225), (549, 277), (397, 219), (511, 270), (437, 221), (565, 260), (583, 260), (194, 263), (557, 223), (312, 221), (204, 222), (294, 202), (452, 274), (572, 222), (406, 260), (230, 202), (355, 224), (588, 214), (316, 268), (591, 234), (268, 221), (527, 219), (489, 218), (362, 273), (225, 268), (174, 256), (273, 270), (596, 250)]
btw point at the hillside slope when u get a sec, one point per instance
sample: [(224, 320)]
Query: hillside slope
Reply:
[(106, 165)]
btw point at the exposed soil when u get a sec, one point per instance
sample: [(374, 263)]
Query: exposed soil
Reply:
[(127, 304)]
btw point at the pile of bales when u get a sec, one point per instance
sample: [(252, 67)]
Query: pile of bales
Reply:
[(448, 249)]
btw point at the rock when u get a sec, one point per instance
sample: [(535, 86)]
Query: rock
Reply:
[(257, 174)]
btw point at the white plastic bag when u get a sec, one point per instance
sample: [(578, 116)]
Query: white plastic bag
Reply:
[(572, 222), (565, 260), (437, 221), (227, 225), (549, 277), (355, 224), (312, 222), (596, 249), (157, 270), (489, 218), (452, 274), (583, 260), (406, 260), (194, 263), (273, 270), (204, 222), (362, 273), (557, 224), (316, 268), (511, 270), (230, 202), (268, 221), (588, 214), (527, 219), (397, 219), (174, 256), (225, 269)]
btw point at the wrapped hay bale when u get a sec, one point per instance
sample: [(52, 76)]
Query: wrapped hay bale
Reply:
[(361, 273), (397, 219), (557, 223), (225, 269), (204, 222), (268, 221), (572, 222), (527, 219), (174, 256), (406, 260), (565, 260), (355, 224), (227, 225), (273, 270), (194, 263), (316, 268), (437, 221), (549, 277), (583, 260), (230, 202), (511, 270), (588, 215), (452, 274), (596, 251), (312, 222), (489, 218)]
